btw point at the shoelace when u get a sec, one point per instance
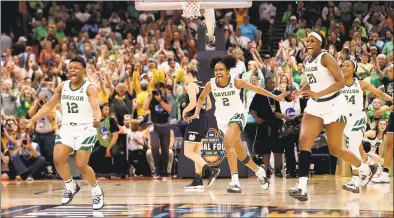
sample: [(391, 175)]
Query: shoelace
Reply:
[(97, 199), (67, 193)]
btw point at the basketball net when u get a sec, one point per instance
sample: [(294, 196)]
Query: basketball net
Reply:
[(191, 8)]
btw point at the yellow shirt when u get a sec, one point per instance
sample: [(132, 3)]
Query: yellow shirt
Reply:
[(103, 97), (140, 101)]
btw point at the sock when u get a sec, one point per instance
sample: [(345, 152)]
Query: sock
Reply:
[(96, 188), (70, 184), (302, 181), (304, 162), (257, 169), (356, 181), (386, 170), (197, 176), (234, 178), (369, 160)]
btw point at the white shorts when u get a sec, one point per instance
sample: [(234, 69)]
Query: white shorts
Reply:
[(80, 137), (238, 117), (355, 128), (334, 110)]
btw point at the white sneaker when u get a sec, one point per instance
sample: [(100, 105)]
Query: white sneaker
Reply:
[(234, 188), (383, 178), (71, 190), (366, 173), (98, 198), (262, 177)]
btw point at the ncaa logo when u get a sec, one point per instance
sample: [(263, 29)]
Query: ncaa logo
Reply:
[(213, 149), (290, 112)]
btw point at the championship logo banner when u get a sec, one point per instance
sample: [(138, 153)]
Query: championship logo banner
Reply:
[(213, 149)]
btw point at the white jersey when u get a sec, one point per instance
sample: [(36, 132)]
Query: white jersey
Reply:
[(354, 97), (318, 76), (227, 99), (375, 143), (76, 108)]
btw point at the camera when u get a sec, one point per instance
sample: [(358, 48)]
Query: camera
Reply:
[(156, 92), (25, 142)]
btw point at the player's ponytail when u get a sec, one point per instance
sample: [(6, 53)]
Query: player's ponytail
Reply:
[(228, 61)]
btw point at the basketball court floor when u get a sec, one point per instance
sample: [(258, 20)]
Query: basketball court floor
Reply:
[(157, 198)]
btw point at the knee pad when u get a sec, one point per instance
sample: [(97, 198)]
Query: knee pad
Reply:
[(246, 160)]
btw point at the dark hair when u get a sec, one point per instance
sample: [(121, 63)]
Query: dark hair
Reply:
[(228, 61), (355, 68), (78, 59), (104, 105)]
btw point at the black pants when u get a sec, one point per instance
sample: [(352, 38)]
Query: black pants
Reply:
[(160, 138), (46, 142), (288, 144), (101, 164), (137, 159)]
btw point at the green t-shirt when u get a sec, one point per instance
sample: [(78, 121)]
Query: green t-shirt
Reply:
[(40, 32), (300, 33), (363, 70), (286, 16), (61, 35), (371, 112), (388, 48), (297, 77)]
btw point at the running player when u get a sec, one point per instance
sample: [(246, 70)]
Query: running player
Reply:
[(356, 119), (326, 108), (80, 118), (196, 130), (230, 114)]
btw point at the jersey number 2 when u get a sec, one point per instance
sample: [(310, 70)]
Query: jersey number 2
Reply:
[(311, 78), (226, 102), (72, 108)]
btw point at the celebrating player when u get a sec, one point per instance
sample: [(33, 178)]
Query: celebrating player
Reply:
[(196, 130), (326, 108), (230, 114), (356, 119), (80, 118)]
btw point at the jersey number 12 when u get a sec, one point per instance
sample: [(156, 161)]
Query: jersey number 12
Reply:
[(72, 108)]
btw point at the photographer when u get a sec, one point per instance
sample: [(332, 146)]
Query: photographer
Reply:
[(27, 159), (160, 105), (44, 130), (290, 111), (9, 134)]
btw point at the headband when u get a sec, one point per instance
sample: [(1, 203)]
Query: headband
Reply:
[(316, 35)]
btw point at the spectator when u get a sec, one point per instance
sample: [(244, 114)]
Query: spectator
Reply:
[(6, 42), (240, 14), (160, 105), (7, 169), (135, 146), (106, 146), (8, 98), (290, 28), (247, 29), (237, 39), (374, 108), (27, 159), (287, 15)]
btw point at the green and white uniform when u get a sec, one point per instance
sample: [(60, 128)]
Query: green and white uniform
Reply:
[(77, 129), (356, 118)]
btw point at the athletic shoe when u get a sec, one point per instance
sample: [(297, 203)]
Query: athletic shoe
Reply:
[(98, 199), (156, 175), (213, 173), (69, 193), (383, 178), (351, 187), (234, 188), (195, 184), (278, 173), (298, 193), (366, 173), (262, 177)]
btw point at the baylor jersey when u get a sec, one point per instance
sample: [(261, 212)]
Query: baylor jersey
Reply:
[(354, 97), (76, 108)]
